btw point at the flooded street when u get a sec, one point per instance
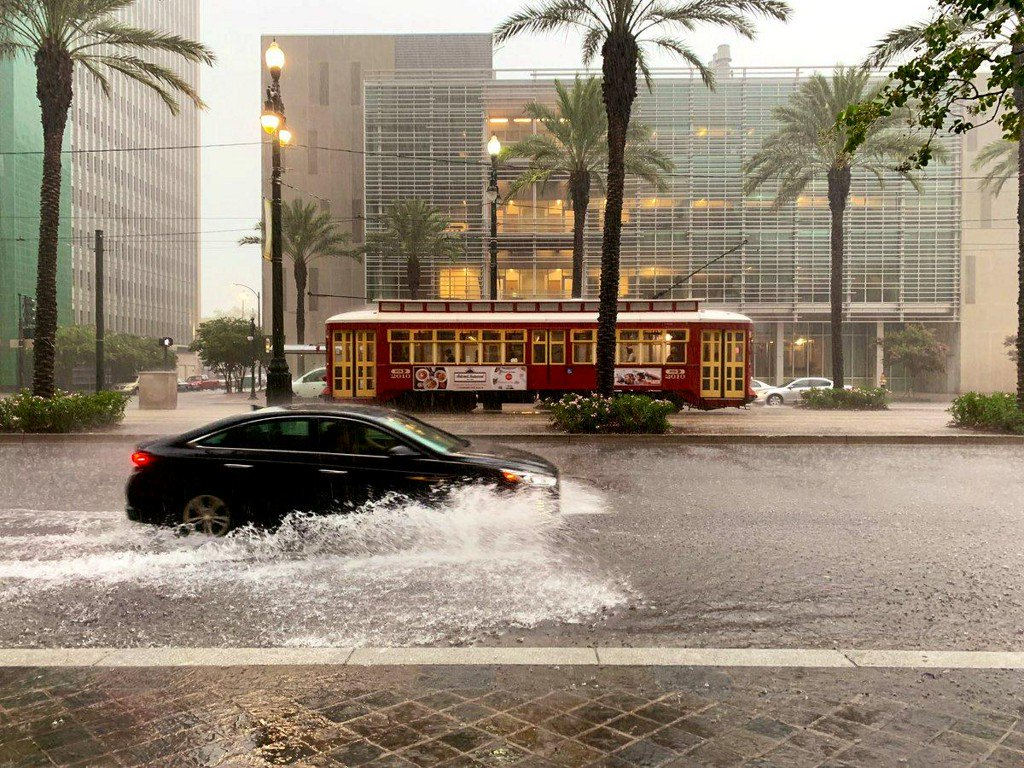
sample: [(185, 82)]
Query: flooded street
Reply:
[(731, 546)]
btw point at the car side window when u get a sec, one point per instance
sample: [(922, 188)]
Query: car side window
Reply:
[(269, 435), (798, 383), (353, 438), (820, 383)]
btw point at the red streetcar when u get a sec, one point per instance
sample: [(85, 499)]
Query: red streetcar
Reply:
[(450, 353)]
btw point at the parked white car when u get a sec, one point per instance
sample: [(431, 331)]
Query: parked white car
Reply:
[(757, 385), (312, 384), (792, 392)]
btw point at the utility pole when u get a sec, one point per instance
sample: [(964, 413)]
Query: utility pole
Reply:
[(21, 341), (100, 324)]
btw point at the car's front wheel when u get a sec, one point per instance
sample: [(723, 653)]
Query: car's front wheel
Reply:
[(775, 399), (207, 513)]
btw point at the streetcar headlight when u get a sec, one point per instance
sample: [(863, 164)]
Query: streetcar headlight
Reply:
[(516, 477)]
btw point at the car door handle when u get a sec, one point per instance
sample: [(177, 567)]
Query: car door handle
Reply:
[(238, 466), (334, 471)]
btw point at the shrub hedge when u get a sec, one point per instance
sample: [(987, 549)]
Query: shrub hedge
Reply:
[(64, 412), (997, 412), (859, 399), (629, 414)]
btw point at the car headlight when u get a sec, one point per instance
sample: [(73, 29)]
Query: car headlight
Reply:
[(516, 477)]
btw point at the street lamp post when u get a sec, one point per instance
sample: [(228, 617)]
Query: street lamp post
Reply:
[(493, 149), (259, 322), (279, 380), (252, 351)]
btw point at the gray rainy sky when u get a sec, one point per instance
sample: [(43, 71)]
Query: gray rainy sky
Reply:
[(821, 32)]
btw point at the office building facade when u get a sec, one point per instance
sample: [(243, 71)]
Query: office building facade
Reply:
[(147, 200), (426, 134), (322, 87)]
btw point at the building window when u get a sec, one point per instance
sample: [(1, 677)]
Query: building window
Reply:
[(312, 156), (325, 84), (985, 210), (314, 289)]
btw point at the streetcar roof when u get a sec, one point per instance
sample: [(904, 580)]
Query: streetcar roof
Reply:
[(373, 315)]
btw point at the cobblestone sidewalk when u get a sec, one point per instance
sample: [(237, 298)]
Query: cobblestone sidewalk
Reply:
[(498, 716)]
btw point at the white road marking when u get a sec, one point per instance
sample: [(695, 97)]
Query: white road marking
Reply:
[(517, 656)]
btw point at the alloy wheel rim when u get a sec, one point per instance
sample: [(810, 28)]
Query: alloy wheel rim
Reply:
[(208, 514)]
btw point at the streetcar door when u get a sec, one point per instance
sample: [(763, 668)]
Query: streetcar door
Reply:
[(711, 364), (734, 364), (723, 370), (355, 364), (366, 363)]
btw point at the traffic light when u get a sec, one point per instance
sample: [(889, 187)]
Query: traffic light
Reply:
[(28, 317)]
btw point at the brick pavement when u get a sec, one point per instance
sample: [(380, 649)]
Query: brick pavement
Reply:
[(496, 716)]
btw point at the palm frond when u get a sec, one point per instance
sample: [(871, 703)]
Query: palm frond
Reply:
[(112, 33), (549, 16), (688, 55), (998, 161), (896, 43)]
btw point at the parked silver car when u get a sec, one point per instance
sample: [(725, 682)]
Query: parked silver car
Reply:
[(792, 392)]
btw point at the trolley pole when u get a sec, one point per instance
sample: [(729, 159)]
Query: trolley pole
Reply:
[(100, 320)]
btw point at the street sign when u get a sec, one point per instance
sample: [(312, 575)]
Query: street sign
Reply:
[(166, 342)]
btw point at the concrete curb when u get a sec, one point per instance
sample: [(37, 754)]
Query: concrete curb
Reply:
[(677, 438), (808, 658)]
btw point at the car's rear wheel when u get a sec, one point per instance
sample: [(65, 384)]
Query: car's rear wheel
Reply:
[(775, 399), (208, 514)]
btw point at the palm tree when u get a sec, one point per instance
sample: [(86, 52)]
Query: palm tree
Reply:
[(59, 35), (809, 145), (623, 30), (414, 229), (308, 234), (1002, 41), (998, 161), (575, 146)]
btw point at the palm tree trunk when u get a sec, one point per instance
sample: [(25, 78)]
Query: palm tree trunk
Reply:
[(618, 87), (412, 268), (300, 272), (579, 193), (838, 194), (1018, 98), (54, 70)]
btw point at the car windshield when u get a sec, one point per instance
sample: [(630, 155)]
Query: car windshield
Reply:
[(422, 433)]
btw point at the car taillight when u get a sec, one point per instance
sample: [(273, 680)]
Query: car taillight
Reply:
[(142, 459)]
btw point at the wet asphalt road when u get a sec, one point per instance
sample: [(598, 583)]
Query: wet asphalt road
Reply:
[(859, 546)]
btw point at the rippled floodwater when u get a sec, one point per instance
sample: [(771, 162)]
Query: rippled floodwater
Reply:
[(394, 574)]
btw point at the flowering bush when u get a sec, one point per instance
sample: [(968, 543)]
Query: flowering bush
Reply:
[(634, 414), (998, 412), (858, 399), (64, 412)]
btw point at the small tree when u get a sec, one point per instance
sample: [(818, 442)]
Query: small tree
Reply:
[(223, 345), (125, 355), (917, 350), (412, 230)]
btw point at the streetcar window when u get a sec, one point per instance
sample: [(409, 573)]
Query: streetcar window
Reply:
[(540, 347), (469, 347), (652, 350), (583, 347), (401, 350), (676, 340), (556, 347), (515, 352), (492, 352), (628, 348), (423, 349)]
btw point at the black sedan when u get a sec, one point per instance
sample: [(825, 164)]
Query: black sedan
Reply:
[(261, 465)]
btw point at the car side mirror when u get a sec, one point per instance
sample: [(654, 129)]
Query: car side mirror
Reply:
[(324, 377), (402, 452)]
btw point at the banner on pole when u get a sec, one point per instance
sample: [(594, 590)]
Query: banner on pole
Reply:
[(268, 227)]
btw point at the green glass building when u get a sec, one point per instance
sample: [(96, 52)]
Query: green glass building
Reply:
[(20, 179)]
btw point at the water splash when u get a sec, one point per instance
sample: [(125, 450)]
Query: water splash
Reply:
[(395, 573)]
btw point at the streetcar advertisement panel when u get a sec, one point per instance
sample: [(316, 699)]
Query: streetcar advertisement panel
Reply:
[(638, 377), (469, 378)]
